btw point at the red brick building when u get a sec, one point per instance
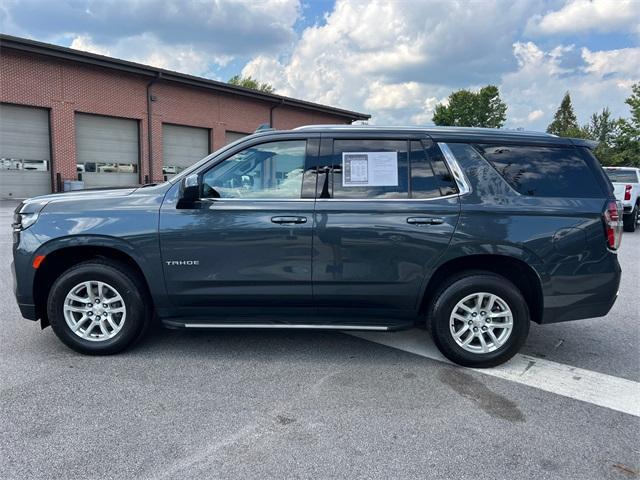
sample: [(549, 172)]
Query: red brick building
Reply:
[(68, 115)]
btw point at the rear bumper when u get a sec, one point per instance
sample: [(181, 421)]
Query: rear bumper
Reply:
[(592, 302)]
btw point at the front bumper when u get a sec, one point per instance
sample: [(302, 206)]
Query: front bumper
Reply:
[(28, 311)]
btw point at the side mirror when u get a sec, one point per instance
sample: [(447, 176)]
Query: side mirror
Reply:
[(189, 191)]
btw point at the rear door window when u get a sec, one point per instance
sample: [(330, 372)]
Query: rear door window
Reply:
[(370, 169), (388, 169), (543, 171), (430, 177)]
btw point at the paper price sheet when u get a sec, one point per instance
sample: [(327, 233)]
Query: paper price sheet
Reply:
[(370, 169)]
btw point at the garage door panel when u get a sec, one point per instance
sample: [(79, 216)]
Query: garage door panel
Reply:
[(230, 136), (19, 184), (97, 180), (24, 132), (25, 151), (107, 149), (182, 146), (106, 139)]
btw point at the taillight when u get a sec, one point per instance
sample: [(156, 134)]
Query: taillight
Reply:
[(613, 224), (627, 192)]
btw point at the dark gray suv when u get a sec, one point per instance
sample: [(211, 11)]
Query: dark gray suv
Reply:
[(472, 233)]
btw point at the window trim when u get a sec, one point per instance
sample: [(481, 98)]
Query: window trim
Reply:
[(464, 186)]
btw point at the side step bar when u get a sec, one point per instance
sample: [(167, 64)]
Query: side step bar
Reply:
[(280, 326)]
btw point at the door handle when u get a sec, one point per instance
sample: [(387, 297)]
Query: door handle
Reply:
[(425, 220), (282, 220)]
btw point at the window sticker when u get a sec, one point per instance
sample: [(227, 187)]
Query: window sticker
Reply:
[(370, 169)]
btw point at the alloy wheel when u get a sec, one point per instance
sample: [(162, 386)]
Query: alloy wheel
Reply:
[(481, 322), (94, 311)]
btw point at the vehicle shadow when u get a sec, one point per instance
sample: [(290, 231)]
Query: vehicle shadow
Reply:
[(295, 346)]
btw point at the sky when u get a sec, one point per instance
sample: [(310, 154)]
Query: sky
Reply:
[(394, 59)]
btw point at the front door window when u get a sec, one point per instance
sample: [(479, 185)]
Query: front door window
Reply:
[(267, 171)]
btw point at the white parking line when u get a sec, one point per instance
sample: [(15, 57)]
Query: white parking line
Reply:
[(596, 388)]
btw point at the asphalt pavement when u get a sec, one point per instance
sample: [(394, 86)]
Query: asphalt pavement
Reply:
[(290, 404)]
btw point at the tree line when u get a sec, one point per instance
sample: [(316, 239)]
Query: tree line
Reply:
[(618, 138)]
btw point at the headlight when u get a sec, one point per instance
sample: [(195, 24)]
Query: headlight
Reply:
[(22, 221)]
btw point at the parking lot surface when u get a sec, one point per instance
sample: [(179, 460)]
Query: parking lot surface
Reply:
[(289, 404)]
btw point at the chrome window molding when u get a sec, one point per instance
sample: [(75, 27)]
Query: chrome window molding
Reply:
[(464, 186), (231, 200), (453, 195)]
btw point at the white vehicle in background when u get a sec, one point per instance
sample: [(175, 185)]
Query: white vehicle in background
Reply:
[(626, 184)]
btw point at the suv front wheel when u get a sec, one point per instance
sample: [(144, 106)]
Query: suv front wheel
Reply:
[(479, 319), (97, 307)]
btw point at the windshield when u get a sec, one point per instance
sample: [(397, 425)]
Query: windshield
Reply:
[(622, 176)]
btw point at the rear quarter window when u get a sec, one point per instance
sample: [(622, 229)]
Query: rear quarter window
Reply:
[(540, 171)]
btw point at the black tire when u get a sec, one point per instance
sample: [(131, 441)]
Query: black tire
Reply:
[(457, 288), (630, 221), (128, 285)]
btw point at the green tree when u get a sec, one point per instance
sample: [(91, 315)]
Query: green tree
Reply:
[(491, 111), (634, 104), (565, 123), (250, 82), (626, 149), (619, 139), (604, 129), (472, 109)]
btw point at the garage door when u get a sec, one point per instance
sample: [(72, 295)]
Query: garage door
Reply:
[(25, 153), (107, 151), (182, 147), (233, 136)]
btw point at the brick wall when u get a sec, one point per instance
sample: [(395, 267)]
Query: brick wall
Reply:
[(66, 87)]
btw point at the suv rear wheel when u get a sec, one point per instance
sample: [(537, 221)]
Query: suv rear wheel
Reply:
[(97, 307), (479, 319)]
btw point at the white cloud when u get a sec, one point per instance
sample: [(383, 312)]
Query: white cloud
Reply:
[(396, 61), (535, 115), (378, 57), (149, 50), (189, 35), (84, 43), (625, 61), (391, 96), (588, 16), (534, 91)]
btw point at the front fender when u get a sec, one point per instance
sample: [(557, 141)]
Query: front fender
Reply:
[(144, 253)]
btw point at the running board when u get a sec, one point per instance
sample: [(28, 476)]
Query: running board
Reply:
[(280, 326)]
